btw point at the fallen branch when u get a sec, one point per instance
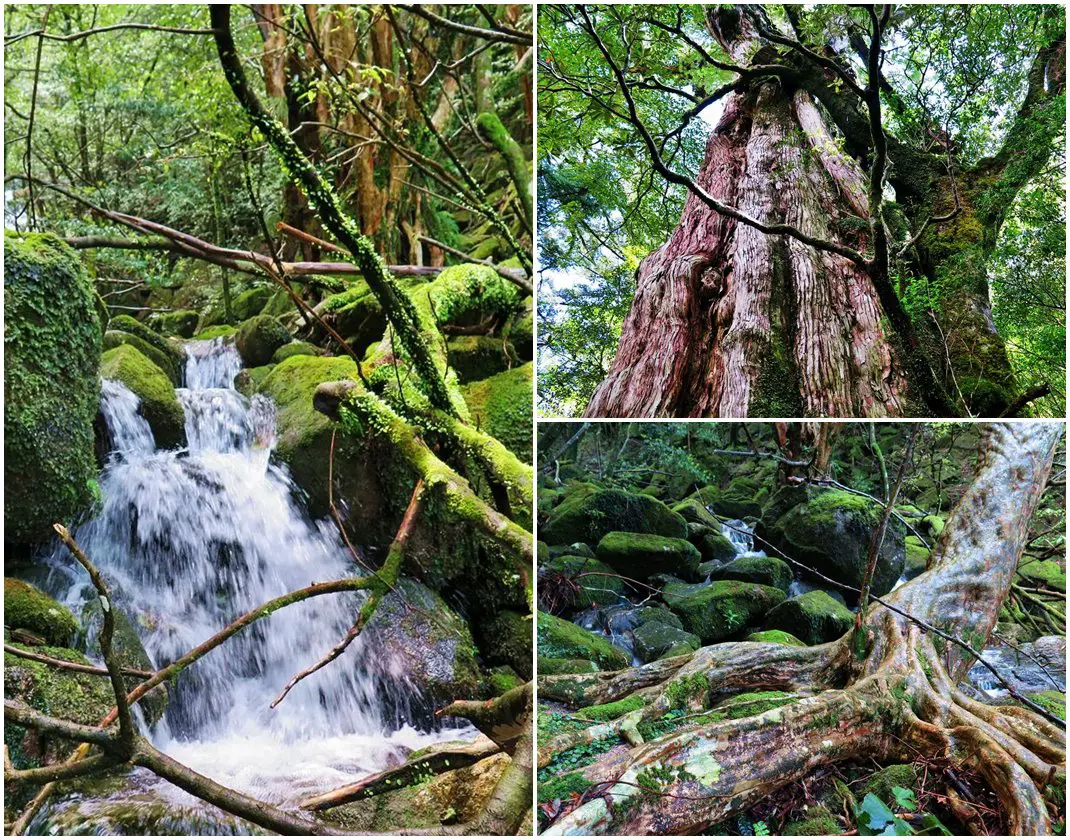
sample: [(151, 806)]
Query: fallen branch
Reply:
[(63, 664)]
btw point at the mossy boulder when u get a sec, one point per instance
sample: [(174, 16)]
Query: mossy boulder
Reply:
[(181, 322), (248, 380), (170, 348), (560, 639), (659, 614), (52, 337), (417, 635), (589, 515), (716, 548), (550, 665), (814, 617), (506, 638), (737, 501), (218, 331), (468, 294), (654, 639), (501, 406), (917, 557), (594, 581), (476, 357), (259, 337), (692, 510), (158, 403), (640, 555), (775, 637), (831, 532), (1045, 573), (296, 348), (70, 695), (165, 362), (28, 608), (250, 303), (357, 316), (770, 571), (933, 526), (819, 822), (720, 610)]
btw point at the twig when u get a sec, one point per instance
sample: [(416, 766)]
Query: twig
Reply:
[(70, 666)]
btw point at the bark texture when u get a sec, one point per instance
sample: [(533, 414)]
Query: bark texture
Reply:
[(887, 695)]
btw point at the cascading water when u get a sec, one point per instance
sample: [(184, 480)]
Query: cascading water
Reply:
[(189, 539)]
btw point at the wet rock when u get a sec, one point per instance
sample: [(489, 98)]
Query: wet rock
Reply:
[(506, 638), (770, 571), (654, 639), (591, 582), (27, 607), (259, 337), (158, 403)]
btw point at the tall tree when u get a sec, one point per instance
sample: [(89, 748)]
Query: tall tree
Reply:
[(788, 287)]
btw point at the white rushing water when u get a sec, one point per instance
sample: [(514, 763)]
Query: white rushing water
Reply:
[(190, 539)]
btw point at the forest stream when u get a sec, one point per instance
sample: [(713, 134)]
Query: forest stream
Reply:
[(191, 538)]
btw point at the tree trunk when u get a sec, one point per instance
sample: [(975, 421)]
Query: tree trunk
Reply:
[(887, 698), (730, 322)]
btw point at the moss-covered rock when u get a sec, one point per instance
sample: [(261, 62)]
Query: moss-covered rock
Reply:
[(164, 361), (933, 526), (917, 557), (506, 638), (654, 639), (832, 532), (296, 348), (715, 548), (814, 617), (720, 610), (775, 637), (560, 639), (549, 665), (661, 614), (248, 380), (476, 357), (28, 608), (218, 331), (588, 515), (641, 555), (81, 698), (52, 336), (259, 337), (357, 316), (501, 406), (692, 510), (250, 303), (1046, 573), (417, 635), (158, 403), (770, 571), (737, 501), (170, 348), (465, 295), (181, 322), (594, 582)]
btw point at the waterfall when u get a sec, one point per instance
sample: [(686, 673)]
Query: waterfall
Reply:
[(189, 539)]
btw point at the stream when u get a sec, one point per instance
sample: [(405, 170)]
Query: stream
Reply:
[(189, 539)]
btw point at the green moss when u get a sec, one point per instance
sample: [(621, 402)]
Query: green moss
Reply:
[(880, 784), (814, 617), (560, 639), (218, 331), (164, 361), (654, 640), (769, 571), (554, 665), (501, 680), (612, 711), (506, 638), (296, 348), (250, 303), (754, 703), (158, 403), (719, 610), (476, 357), (259, 337), (29, 608), (131, 325), (820, 822), (52, 336), (776, 637), (501, 406), (1046, 573), (589, 513), (464, 295), (1053, 701), (181, 322), (563, 787), (591, 581), (689, 691), (249, 380), (520, 331), (641, 555)]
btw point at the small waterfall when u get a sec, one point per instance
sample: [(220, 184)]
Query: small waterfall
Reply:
[(191, 539)]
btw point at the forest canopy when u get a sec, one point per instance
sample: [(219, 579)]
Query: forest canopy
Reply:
[(635, 99)]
